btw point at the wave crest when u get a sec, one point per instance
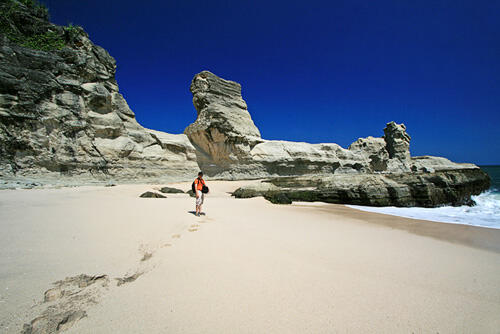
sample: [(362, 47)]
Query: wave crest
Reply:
[(486, 212)]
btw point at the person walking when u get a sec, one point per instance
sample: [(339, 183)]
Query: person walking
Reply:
[(199, 183)]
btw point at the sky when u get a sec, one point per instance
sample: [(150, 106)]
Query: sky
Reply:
[(314, 71)]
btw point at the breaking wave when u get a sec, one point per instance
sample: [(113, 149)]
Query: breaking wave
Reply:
[(486, 212)]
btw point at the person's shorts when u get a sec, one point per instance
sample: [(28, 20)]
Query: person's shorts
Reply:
[(199, 200)]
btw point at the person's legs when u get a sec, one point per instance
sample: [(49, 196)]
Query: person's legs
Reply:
[(199, 201), (202, 197), (196, 201)]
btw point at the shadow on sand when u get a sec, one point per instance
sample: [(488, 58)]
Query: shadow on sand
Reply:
[(194, 212)]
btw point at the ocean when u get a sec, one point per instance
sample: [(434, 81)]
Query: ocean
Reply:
[(485, 213)]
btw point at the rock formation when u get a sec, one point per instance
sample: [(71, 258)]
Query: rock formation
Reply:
[(61, 113), (62, 117), (445, 187), (228, 144), (397, 141), (151, 194), (375, 151), (170, 190), (373, 171), (224, 132), (398, 147)]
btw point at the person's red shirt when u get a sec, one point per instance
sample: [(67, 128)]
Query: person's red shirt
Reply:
[(199, 185)]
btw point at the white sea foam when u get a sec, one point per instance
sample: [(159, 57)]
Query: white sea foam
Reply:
[(486, 213)]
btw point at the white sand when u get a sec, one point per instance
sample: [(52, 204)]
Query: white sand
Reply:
[(249, 267)]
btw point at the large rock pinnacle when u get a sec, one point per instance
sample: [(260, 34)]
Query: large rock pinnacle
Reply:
[(224, 132), (397, 141)]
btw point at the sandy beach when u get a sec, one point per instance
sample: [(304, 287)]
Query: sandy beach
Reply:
[(246, 266)]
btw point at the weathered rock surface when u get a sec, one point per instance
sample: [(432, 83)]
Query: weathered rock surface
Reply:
[(446, 187), (429, 164), (398, 147), (397, 141), (278, 197), (277, 158), (375, 151), (61, 114), (254, 190)]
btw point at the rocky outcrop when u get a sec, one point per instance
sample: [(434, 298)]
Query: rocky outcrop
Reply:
[(386, 175), (373, 171), (61, 113), (447, 187), (279, 158), (223, 133), (277, 197), (397, 141), (374, 149), (429, 164), (254, 190), (229, 145), (398, 146)]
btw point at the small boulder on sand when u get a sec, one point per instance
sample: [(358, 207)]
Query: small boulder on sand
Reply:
[(168, 190), (150, 194)]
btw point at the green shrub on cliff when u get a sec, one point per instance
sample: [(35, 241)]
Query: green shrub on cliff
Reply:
[(47, 42), (39, 8), (72, 31), (38, 34)]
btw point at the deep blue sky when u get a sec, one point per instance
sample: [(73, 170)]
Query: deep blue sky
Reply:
[(315, 71)]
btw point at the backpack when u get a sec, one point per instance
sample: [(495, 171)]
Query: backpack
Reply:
[(204, 189)]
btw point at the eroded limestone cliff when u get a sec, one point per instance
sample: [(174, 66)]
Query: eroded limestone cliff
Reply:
[(61, 113)]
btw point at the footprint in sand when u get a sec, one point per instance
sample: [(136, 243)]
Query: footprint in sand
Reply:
[(66, 303), (176, 236), (193, 228), (146, 256), (128, 279), (166, 245), (146, 252)]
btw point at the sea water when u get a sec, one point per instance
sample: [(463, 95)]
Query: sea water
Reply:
[(485, 213)]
